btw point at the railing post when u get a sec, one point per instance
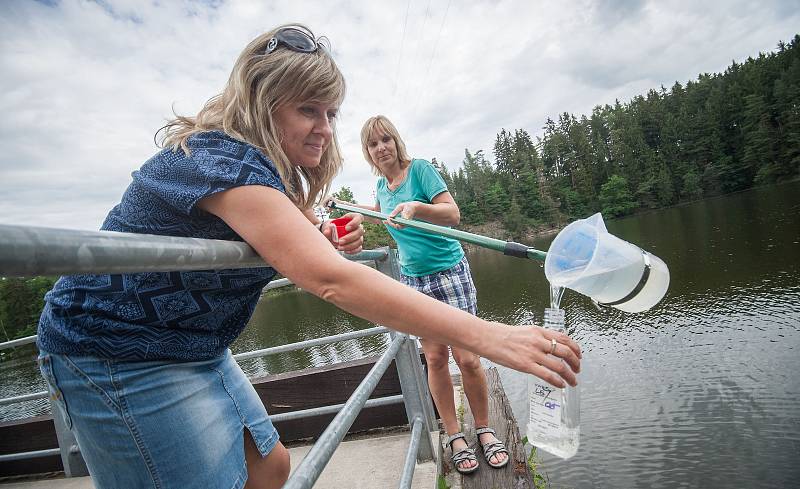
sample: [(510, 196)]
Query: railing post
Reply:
[(71, 457), (413, 381)]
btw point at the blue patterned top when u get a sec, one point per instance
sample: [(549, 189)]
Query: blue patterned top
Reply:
[(165, 315)]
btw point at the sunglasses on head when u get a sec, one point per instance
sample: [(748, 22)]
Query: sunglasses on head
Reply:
[(296, 40)]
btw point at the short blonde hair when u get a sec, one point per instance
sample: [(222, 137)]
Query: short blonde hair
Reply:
[(383, 124), (259, 84)]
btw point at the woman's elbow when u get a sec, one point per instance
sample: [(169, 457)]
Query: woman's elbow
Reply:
[(331, 281), (328, 292), (456, 218)]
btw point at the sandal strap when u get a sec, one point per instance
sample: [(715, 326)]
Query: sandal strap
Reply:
[(493, 448), (454, 437), (467, 454), (483, 430)]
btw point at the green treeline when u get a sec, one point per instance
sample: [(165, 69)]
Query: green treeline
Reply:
[(21, 303), (722, 133)]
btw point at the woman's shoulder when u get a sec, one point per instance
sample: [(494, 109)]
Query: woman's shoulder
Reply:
[(213, 156), (418, 164), (205, 142), (216, 140), (219, 144)]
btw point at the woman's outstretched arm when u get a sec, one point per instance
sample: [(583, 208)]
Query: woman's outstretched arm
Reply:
[(279, 232)]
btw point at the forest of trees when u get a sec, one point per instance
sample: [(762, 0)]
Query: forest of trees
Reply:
[(722, 133)]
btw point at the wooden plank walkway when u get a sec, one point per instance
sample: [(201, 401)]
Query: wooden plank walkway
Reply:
[(516, 474)]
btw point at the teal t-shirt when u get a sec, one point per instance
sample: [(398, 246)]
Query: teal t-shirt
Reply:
[(421, 252)]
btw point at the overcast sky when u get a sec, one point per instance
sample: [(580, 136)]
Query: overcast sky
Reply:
[(86, 84)]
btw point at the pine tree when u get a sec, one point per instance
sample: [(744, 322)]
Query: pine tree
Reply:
[(615, 197)]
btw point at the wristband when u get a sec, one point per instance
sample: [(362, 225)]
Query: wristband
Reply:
[(321, 224)]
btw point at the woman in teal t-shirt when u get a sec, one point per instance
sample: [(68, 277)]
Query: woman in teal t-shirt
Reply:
[(436, 266)]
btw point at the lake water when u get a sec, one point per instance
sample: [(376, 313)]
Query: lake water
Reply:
[(700, 391)]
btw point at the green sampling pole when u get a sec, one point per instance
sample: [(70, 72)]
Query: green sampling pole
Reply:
[(506, 247)]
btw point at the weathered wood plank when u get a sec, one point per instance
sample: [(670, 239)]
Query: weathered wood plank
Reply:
[(516, 474)]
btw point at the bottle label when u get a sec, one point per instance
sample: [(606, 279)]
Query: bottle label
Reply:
[(545, 409)]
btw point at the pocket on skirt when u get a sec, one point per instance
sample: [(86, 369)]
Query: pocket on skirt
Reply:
[(56, 396)]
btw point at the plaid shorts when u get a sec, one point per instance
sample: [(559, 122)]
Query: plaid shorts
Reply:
[(452, 286)]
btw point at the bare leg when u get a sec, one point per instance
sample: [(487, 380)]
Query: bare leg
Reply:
[(441, 386), (268, 472), (473, 378)]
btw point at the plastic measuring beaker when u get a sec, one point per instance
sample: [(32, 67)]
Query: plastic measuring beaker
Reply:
[(586, 258)]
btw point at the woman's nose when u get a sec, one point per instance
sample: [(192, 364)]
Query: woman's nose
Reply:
[(325, 127)]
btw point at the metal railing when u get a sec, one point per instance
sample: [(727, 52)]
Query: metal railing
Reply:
[(27, 251)]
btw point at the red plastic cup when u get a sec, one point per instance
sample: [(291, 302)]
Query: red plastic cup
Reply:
[(339, 227)]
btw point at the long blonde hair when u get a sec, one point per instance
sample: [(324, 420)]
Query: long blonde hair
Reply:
[(383, 124), (259, 84)]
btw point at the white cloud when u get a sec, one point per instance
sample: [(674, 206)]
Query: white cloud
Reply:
[(85, 85)]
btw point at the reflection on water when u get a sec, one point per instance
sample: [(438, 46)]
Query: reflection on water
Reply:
[(20, 375), (288, 316), (700, 391)]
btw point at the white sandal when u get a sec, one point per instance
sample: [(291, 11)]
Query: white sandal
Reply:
[(492, 448), (463, 455)]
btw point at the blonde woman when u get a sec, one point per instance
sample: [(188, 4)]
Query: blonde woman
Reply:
[(139, 363), (436, 266)]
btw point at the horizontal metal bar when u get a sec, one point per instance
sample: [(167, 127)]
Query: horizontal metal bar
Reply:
[(320, 454), (284, 282), (18, 342), (29, 251), (335, 408), (246, 355), (309, 343), (23, 398), (411, 455), (368, 255), (13, 457), (276, 418)]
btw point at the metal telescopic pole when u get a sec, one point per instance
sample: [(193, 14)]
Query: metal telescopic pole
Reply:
[(506, 247)]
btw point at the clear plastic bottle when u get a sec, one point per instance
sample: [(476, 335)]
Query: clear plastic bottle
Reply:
[(554, 419)]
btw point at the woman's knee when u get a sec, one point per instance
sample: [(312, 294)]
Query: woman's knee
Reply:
[(467, 361), (437, 357), (268, 472)]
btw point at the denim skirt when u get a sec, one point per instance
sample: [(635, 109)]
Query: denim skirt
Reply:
[(159, 424)]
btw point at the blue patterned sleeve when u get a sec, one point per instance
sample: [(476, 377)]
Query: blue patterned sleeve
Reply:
[(216, 163)]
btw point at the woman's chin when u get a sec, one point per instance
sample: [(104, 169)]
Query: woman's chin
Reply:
[(309, 162)]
